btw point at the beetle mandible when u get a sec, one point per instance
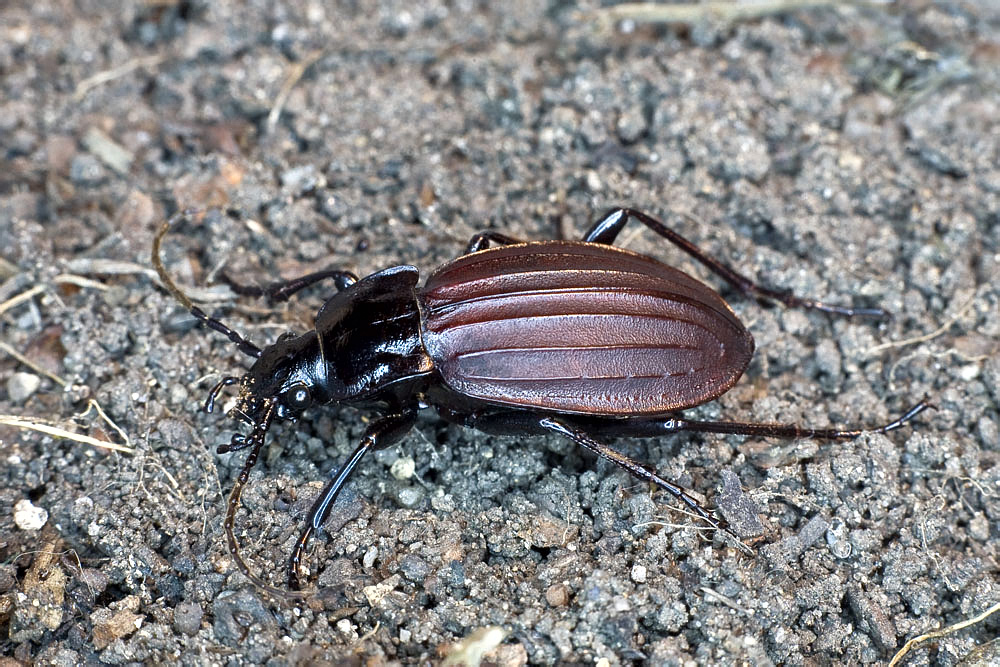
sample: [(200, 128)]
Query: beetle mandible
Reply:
[(577, 338)]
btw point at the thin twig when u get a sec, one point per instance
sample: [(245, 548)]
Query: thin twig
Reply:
[(716, 595), (62, 278), (79, 281), (686, 13), (295, 73), (18, 299), (928, 336), (107, 420), (368, 635), (101, 78), (4, 347), (109, 267), (908, 646)]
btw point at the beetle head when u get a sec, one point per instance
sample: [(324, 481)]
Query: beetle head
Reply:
[(287, 376)]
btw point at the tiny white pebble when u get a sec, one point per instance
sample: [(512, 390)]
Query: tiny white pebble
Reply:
[(21, 386), (29, 517), (639, 574), (344, 626), (403, 468)]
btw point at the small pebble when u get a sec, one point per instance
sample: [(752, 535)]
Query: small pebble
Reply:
[(87, 170), (639, 574), (187, 618), (414, 568), (29, 517), (631, 125), (837, 539), (20, 386), (301, 179), (403, 468), (409, 497), (557, 595), (979, 527)]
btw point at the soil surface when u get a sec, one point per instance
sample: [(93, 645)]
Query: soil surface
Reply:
[(850, 154)]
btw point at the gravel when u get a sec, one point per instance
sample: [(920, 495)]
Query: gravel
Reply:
[(850, 154)]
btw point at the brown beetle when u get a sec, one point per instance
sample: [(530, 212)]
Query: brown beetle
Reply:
[(579, 338)]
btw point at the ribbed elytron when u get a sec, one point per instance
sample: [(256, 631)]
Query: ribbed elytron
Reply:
[(577, 338)]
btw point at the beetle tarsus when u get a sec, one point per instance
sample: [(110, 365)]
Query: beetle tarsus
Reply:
[(214, 393), (482, 240)]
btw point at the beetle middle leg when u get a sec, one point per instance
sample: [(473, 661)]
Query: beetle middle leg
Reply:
[(482, 240), (606, 230), (379, 435), (518, 422)]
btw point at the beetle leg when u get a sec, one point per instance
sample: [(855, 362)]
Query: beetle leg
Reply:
[(283, 289), (379, 435), (633, 467), (255, 440), (647, 427), (606, 230), (518, 422), (482, 240), (212, 395)]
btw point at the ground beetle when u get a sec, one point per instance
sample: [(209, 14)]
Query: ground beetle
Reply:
[(579, 338)]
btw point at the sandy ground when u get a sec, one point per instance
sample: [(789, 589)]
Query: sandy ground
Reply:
[(850, 154)]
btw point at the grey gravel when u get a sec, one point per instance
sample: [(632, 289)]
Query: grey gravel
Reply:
[(20, 387), (847, 153), (187, 618)]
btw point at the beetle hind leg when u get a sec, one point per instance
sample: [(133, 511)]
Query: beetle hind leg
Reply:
[(645, 427), (638, 470), (607, 229)]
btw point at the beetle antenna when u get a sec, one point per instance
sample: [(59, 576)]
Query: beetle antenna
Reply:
[(245, 346), (255, 440)]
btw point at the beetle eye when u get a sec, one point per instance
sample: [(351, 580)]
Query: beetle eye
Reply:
[(297, 397)]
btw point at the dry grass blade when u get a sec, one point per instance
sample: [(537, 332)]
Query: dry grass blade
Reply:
[(928, 336), (692, 12), (57, 431), (295, 73)]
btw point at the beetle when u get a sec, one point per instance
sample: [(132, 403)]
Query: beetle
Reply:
[(578, 338)]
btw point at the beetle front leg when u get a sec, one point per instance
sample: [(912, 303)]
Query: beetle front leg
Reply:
[(283, 289), (606, 230), (379, 435)]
